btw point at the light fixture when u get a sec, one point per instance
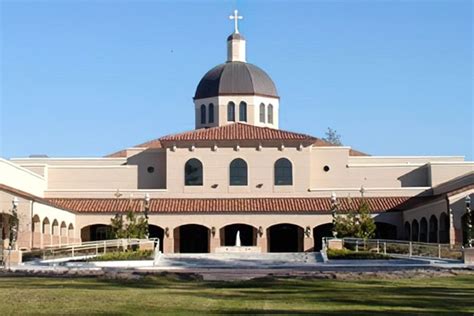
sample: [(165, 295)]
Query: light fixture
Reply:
[(15, 202), (167, 231), (260, 231), (213, 231)]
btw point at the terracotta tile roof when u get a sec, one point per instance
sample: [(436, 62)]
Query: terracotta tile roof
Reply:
[(236, 205), (118, 154), (237, 131), (234, 132)]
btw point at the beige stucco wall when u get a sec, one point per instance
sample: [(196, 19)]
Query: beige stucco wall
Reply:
[(253, 110), (443, 171), (92, 177), (216, 171), (22, 179), (150, 158)]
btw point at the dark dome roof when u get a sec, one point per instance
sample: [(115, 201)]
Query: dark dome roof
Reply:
[(235, 78), (237, 36)]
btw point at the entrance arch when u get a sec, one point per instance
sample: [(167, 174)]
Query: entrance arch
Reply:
[(155, 231), (248, 235), (96, 232), (192, 238), (444, 228), (285, 238), (407, 231), (385, 231), (415, 228), (320, 231), (433, 229), (423, 230)]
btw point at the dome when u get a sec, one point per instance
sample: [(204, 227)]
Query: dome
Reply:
[(234, 78)]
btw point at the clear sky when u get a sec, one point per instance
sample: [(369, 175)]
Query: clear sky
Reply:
[(87, 78)]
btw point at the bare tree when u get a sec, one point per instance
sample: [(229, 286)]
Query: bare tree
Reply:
[(333, 137)]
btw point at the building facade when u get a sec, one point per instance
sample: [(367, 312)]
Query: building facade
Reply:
[(236, 172)]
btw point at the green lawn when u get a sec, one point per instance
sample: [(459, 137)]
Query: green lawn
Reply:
[(159, 295)]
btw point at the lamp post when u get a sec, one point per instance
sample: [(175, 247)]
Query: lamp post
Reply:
[(147, 208), (468, 221), (334, 205)]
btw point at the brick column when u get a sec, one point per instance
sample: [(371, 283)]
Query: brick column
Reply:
[(214, 243)]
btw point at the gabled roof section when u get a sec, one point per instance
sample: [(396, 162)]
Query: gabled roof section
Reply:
[(232, 205), (237, 131), (234, 132)]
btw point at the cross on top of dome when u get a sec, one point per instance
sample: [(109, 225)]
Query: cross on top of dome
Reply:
[(236, 17)]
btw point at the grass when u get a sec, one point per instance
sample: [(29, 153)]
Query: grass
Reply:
[(350, 254), (168, 295)]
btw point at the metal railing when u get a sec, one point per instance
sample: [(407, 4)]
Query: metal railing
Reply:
[(89, 249), (401, 247)]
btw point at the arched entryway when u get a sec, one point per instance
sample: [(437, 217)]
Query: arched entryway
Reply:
[(423, 230), (285, 238), (192, 238), (248, 235), (385, 231), (36, 229), (407, 231), (444, 228), (415, 229), (433, 229), (96, 232), (157, 232), (319, 232)]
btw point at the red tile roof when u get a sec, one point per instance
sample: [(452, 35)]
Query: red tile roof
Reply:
[(235, 205), (237, 131), (234, 132)]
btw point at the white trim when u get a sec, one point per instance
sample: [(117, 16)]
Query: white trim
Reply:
[(451, 163), (385, 165), (11, 164), (122, 190), (370, 189), (91, 167), (68, 158), (404, 157), (331, 147)]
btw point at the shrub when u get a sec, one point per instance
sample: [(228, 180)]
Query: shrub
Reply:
[(349, 254), (127, 255)]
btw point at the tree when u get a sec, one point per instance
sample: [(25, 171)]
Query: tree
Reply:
[(132, 226), (356, 223), (333, 137)]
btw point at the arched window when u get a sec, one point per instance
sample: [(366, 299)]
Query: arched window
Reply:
[(231, 112), (238, 172), (270, 114), (283, 172), (211, 113), (243, 112), (262, 113), (203, 114), (193, 172)]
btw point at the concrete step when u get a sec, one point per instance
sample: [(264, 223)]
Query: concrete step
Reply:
[(239, 259)]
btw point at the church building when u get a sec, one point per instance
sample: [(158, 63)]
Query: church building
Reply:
[(237, 171)]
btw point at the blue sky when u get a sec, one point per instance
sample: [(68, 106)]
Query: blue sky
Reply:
[(87, 78)]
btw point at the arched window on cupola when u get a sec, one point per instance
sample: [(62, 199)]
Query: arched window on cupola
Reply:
[(203, 114), (238, 172), (243, 111), (231, 112), (262, 113), (211, 113), (270, 114)]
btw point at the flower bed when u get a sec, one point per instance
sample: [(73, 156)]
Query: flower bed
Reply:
[(126, 255), (349, 254)]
